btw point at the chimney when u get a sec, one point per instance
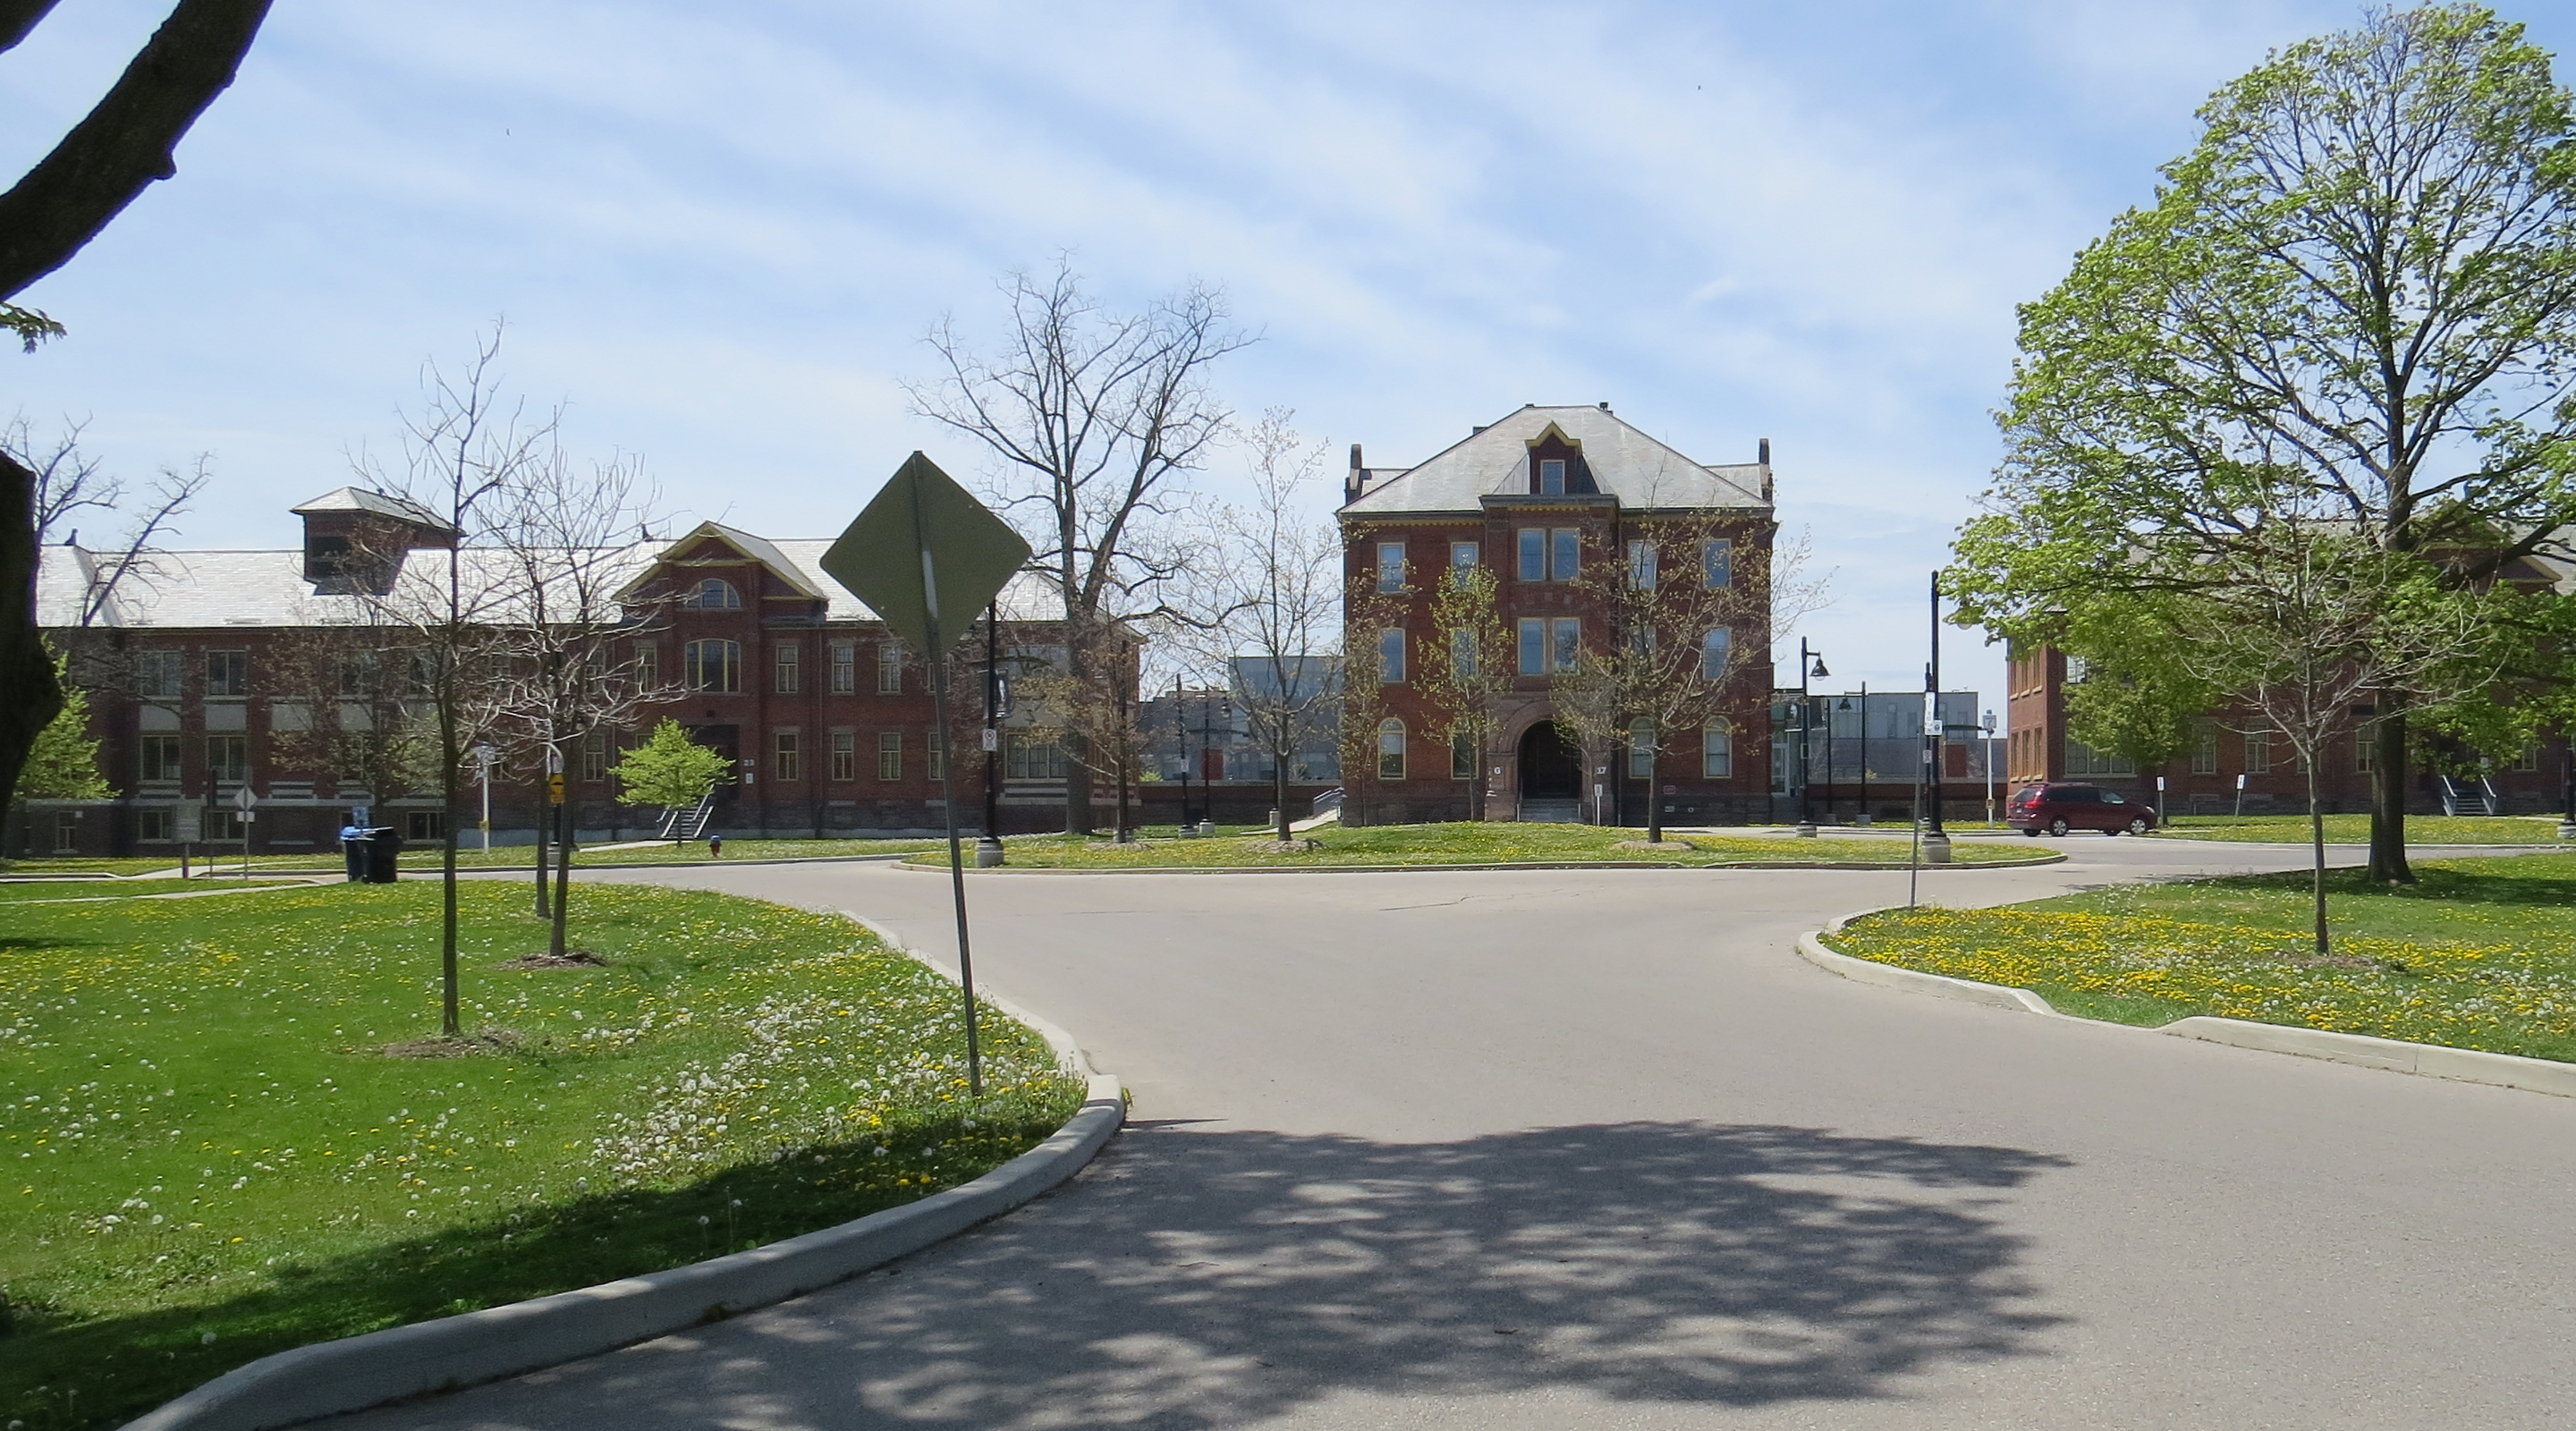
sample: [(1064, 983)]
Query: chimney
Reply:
[(1357, 481), (1605, 407), (1763, 453)]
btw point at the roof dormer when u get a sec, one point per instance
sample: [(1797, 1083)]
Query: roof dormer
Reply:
[(355, 539), (1556, 465)]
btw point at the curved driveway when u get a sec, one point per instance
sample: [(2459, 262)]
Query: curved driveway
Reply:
[(1595, 1148)]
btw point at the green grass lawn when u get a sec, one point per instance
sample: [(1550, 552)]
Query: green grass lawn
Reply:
[(2355, 829), (1474, 843), (2480, 954), (12, 891), (214, 1155)]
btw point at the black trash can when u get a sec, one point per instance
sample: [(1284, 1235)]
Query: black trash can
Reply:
[(353, 850), (384, 845)]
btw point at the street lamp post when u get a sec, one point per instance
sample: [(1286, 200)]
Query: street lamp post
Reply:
[(1181, 739), (484, 755), (988, 850), (1936, 735), (1986, 758), (1811, 663)]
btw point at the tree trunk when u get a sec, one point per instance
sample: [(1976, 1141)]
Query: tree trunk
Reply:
[(563, 878), (544, 909), (1077, 785), (1654, 775), (2388, 790), (450, 756), (2317, 852), (24, 666), (1279, 782)]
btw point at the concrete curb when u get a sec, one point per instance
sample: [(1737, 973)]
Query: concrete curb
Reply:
[(2050, 859), (2461, 1065), (426, 1358)]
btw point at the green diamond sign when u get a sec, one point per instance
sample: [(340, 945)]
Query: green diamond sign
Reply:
[(926, 556)]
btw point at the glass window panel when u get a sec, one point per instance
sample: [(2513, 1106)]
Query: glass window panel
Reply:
[(1533, 564)]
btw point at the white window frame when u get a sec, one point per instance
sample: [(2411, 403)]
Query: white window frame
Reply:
[(1642, 563), (1716, 753), (1533, 646), (1390, 656), (1390, 566)]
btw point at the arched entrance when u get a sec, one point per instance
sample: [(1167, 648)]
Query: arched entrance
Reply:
[(1551, 766)]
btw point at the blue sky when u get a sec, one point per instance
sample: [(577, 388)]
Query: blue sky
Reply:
[(719, 232)]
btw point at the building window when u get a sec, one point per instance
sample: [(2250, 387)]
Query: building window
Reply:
[(1390, 749), (1717, 564), (1716, 650), (2530, 759), (152, 827), (1641, 749), (1026, 757), (2258, 752), (889, 755), (890, 669), (1462, 757), (2204, 749), (1641, 565), (425, 827), (713, 594), (1390, 566), (845, 755), (1533, 646), (845, 667), (937, 750), (787, 755), (228, 759), (227, 673), (2083, 760), (66, 832), (713, 665), (160, 757), (1567, 632), (1533, 547), (648, 664), (788, 660), (1390, 655), (1551, 477), (1564, 552), (1462, 653), (1717, 753), (1463, 557), (594, 757), (158, 675), (359, 675)]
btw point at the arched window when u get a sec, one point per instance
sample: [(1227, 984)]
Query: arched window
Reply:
[(1641, 749), (713, 594), (714, 665), (1390, 749), (1717, 753)]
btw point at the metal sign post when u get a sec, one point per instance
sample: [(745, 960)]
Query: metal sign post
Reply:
[(246, 809), (484, 755), (923, 546)]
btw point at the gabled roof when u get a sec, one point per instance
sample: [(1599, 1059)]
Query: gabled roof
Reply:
[(382, 504), (759, 549), (1626, 463)]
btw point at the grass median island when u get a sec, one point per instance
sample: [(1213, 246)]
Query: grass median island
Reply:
[(226, 1134), (1473, 843), (2355, 829), (2480, 954)]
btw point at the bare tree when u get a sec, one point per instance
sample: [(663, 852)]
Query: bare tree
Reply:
[(1093, 715), (1688, 609), (2303, 617), (464, 447), (125, 142), (1096, 419), (569, 548), (1265, 608), (69, 482), (1468, 671), (1367, 613)]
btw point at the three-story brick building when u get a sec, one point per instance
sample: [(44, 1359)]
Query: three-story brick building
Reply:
[(1550, 499)]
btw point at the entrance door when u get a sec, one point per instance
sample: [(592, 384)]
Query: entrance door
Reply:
[(1551, 766), (726, 740)]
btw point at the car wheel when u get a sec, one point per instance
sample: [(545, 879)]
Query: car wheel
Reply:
[(2032, 832), (2137, 824), (2058, 827)]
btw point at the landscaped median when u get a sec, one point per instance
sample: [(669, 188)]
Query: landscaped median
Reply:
[(1483, 844), (2355, 829), (2478, 955), (226, 1133)]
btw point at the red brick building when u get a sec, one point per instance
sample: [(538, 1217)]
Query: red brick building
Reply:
[(2227, 744), (826, 718), (1542, 496)]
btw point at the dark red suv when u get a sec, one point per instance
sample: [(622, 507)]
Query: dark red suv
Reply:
[(2058, 808)]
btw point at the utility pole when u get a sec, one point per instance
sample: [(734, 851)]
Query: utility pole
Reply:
[(1936, 735), (988, 850), (1808, 659)]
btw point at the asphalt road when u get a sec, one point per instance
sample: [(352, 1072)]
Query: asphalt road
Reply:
[(1597, 1149)]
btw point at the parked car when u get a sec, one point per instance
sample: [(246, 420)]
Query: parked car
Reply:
[(2058, 807)]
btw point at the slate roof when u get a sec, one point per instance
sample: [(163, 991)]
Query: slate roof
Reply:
[(213, 589), (1626, 462), (383, 504)]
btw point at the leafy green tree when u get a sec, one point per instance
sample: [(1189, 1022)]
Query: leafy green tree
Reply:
[(63, 762), (1468, 675), (2136, 700), (669, 769), (2355, 300)]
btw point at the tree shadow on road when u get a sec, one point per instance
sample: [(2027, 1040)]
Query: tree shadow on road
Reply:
[(1200, 1278)]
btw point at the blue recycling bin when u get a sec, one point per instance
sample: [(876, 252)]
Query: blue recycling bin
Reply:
[(353, 850)]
